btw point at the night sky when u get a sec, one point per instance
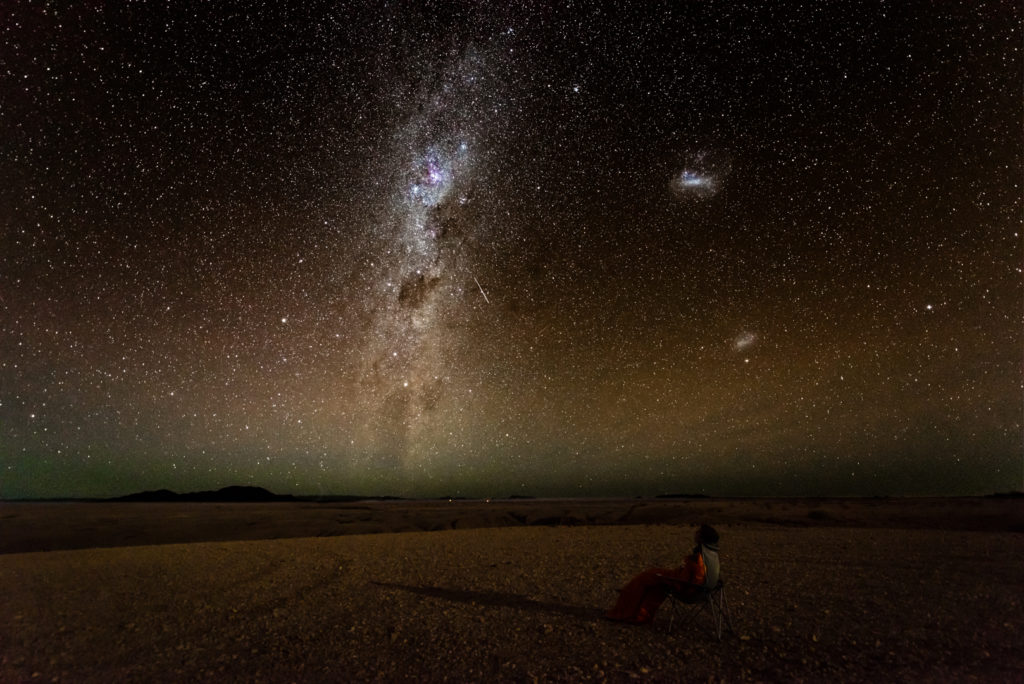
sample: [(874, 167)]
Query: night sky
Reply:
[(432, 248)]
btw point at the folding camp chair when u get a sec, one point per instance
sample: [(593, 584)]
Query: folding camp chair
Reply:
[(699, 598)]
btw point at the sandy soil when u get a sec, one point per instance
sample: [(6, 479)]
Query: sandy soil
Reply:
[(53, 526), (810, 603)]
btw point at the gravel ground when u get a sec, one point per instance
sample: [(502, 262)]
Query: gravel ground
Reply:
[(57, 526), (516, 604)]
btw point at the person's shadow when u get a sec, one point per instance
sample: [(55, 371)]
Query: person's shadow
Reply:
[(494, 598)]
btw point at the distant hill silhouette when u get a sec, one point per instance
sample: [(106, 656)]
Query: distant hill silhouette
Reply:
[(234, 494)]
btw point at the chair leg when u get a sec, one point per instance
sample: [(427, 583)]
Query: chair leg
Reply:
[(726, 613), (716, 617), (716, 604), (676, 606)]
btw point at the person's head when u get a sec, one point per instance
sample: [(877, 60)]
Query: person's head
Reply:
[(706, 534)]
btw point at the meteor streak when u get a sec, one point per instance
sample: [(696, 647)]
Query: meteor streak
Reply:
[(481, 290)]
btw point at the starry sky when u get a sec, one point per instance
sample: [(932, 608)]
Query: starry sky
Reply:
[(488, 248)]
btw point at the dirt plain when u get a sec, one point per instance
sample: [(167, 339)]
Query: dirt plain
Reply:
[(820, 590)]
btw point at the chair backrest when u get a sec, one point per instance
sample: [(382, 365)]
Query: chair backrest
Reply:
[(711, 567)]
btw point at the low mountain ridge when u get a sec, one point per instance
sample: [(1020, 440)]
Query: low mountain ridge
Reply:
[(232, 494)]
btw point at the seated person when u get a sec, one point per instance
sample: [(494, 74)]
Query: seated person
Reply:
[(639, 600)]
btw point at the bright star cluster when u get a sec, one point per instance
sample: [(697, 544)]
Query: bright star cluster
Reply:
[(485, 249)]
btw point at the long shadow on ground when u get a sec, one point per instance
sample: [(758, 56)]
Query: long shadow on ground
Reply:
[(494, 598)]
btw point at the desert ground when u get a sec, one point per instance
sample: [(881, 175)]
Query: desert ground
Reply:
[(820, 590)]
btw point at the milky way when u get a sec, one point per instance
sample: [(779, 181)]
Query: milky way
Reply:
[(426, 256), (475, 249)]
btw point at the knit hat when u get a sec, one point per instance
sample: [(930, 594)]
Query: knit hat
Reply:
[(708, 534)]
